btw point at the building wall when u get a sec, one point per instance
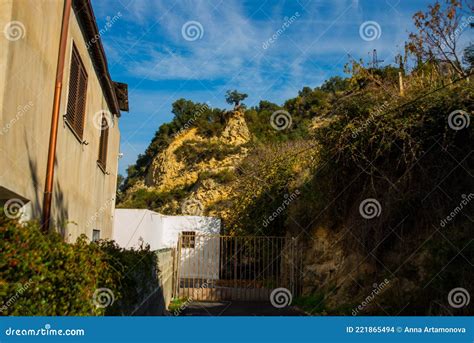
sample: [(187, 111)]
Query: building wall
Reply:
[(133, 226), (202, 261), (84, 196), (174, 225)]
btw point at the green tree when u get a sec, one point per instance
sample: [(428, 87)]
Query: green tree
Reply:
[(234, 97), (335, 84), (469, 51), (469, 57)]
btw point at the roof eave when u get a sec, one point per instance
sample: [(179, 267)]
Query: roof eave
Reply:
[(87, 22)]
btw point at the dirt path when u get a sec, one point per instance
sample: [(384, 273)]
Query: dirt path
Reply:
[(237, 308)]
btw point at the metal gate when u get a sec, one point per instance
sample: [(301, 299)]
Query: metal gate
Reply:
[(214, 267)]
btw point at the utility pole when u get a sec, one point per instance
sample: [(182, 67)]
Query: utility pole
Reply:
[(401, 71), (400, 82), (375, 60)]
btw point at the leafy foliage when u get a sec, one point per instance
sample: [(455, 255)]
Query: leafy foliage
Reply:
[(224, 176), (234, 97), (469, 57), (266, 185), (193, 152), (43, 275), (153, 200)]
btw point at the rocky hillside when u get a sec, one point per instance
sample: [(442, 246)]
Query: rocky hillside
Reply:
[(198, 169)]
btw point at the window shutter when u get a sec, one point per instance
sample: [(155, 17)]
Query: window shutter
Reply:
[(76, 105)]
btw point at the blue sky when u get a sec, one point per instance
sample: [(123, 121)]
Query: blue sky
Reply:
[(148, 47)]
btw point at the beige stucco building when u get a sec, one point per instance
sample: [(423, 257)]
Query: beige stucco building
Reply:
[(88, 137)]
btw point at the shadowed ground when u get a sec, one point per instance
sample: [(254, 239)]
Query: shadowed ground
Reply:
[(238, 308)]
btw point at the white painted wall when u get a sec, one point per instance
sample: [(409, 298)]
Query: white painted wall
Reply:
[(134, 226), (173, 225), (160, 231)]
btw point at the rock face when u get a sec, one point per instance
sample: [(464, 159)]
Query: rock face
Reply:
[(236, 132), (329, 268), (168, 172)]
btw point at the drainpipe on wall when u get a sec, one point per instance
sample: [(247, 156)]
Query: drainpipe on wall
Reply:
[(53, 134)]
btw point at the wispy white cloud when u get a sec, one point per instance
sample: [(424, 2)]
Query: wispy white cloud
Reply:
[(232, 41)]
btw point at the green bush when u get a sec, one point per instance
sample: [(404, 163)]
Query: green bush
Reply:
[(50, 276), (400, 151), (313, 304), (224, 176), (40, 274), (196, 151), (136, 275), (154, 200)]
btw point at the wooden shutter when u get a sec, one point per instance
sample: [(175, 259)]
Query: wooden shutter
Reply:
[(103, 143), (76, 104)]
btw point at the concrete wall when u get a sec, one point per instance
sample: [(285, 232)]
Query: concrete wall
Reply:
[(202, 261), (134, 226), (84, 196), (173, 225), (157, 302)]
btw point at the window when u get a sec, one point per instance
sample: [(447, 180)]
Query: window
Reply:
[(104, 135), (189, 239), (95, 235), (76, 102)]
